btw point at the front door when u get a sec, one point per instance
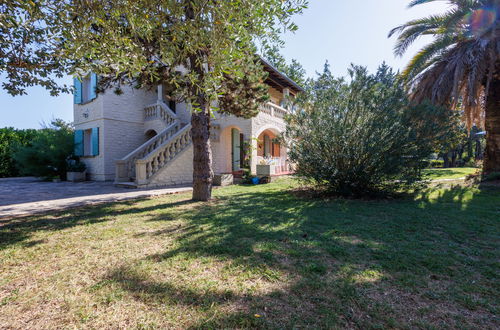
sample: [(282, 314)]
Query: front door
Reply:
[(235, 149)]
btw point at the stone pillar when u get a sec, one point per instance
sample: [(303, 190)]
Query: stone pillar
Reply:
[(121, 174), (160, 93), (141, 172), (253, 160)]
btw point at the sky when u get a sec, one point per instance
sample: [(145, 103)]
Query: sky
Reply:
[(342, 32)]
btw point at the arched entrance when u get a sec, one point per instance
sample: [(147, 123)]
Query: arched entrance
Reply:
[(267, 146), (270, 152), (150, 134)]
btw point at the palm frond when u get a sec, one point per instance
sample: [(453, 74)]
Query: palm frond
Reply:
[(456, 68), (421, 60)]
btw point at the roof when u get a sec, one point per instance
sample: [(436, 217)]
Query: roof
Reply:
[(278, 79)]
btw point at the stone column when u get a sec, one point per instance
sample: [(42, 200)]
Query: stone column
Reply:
[(141, 172), (160, 93), (253, 159)]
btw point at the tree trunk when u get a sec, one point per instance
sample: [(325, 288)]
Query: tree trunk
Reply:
[(479, 152), (202, 154), (446, 160), (453, 159), (492, 122)]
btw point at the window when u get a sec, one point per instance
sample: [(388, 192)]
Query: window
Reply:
[(87, 142), (85, 89)]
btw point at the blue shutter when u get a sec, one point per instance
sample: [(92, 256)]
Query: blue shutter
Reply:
[(95, 141), (93, 86), (77, 96), (79, 143)]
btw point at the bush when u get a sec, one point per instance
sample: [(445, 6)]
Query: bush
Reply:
[(436, 163), (10, 139), (47, 153), (361, 137)]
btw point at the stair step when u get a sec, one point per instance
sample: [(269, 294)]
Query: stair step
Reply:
[(126, 184)]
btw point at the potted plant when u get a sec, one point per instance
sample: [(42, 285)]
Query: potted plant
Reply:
[(75, 170), (266, 167), (223, 179)]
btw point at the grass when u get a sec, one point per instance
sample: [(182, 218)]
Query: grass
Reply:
[(257, 257), (449, 173)]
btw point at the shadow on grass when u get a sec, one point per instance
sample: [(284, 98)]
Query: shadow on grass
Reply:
[(331, 263), (18, 230), (342, 262)]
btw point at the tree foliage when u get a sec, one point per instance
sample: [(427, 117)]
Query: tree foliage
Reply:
[(189, 45), (242, 93), (295, 71), (47, 153), (30, 44), (10, 140), (361, 136)]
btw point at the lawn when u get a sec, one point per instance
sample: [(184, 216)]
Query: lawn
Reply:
[(449, 173), (257, 256)]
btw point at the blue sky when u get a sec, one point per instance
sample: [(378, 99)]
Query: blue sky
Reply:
[(342, 32)]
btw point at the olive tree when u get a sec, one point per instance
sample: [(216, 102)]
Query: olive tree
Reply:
[(189, 45), (192, 46)]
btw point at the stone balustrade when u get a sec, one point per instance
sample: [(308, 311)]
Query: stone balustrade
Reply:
[(148, 166), (161, 111), (273, 110), (126, 167)]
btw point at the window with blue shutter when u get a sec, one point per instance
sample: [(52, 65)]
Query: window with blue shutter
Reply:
[(79, 148), (95, 141), (77, 96), (85, 89)]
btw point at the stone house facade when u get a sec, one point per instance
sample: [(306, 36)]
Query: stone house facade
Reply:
[(140, 138)]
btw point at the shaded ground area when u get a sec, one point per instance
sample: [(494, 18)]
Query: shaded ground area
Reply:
[(257, 257), (25, 196), (449, 173)]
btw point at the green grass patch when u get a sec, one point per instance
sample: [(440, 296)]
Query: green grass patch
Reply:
[(449, 173), (257, 257)]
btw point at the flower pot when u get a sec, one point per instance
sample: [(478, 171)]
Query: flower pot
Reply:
[(75, 176), (266, 170), (225, 179)]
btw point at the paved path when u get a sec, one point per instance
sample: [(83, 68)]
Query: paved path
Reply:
[(27, 196)]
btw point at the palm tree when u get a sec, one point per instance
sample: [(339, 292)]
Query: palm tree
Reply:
[(460, 68)]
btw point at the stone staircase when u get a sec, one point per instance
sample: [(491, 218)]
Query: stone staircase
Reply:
[(139, 167)]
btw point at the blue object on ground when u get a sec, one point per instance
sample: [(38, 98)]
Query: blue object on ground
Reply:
[(255, 180)]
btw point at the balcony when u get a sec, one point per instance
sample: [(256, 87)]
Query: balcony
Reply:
[(274, 110)]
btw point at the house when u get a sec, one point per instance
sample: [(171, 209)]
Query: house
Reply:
[(142, 138)]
